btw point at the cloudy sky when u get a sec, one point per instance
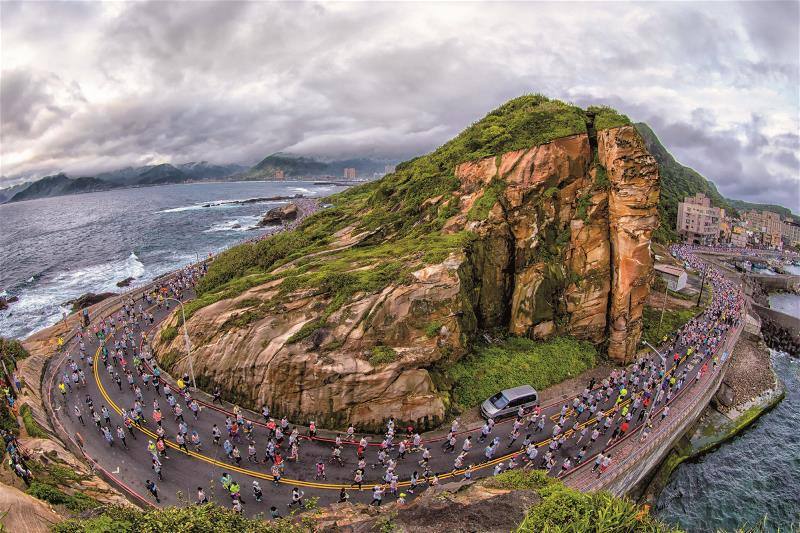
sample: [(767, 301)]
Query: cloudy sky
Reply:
[(90, 86)]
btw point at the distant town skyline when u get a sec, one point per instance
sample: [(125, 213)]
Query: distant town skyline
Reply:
[(88, 87)]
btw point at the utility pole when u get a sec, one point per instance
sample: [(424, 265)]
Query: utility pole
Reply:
[(186, 341), (663, 306), (702, 284)]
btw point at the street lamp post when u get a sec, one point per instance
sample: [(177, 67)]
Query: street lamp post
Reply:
[(186, 341), (663, 358)]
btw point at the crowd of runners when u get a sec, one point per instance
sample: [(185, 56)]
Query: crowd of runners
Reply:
[(580, 432)]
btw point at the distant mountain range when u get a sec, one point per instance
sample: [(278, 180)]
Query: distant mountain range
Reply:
[(60, 184), (292, 166), (299, 166)]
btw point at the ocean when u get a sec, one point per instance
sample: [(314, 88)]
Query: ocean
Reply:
[(749, 479), (56, 249)]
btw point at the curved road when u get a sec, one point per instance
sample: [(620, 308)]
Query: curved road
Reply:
[(184, 472)]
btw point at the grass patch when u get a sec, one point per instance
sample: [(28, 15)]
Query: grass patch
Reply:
[(673, 321), (566, 510), (481, 207), (169, 333), (606, 117), (74, 502), (31, 426), (382, 355), (306, 330), (518, 361), (520, 480)]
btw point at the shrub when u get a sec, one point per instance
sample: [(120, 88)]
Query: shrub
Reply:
[(74, 502), (31, 426), (432, 330), (207, 518), (566, 510), (382, 355), (12, 351), (673, 321), (518, 361), (520, 480), (169, 333), (8, 421)]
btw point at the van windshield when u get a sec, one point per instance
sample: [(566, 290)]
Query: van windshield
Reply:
[(499, 401)]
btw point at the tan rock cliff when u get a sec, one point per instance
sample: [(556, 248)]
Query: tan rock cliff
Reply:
[(559, 245)]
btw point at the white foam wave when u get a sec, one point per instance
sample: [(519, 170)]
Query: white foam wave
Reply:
[(237, 224), (302, 190), (42, 304)]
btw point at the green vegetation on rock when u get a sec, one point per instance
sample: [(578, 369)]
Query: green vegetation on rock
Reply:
[(169, 333), (674, 319), (382, 355), (207, 518), (398, 215), (606, 117), (566, 510), (31, 426), (76, 502), (518, 361)]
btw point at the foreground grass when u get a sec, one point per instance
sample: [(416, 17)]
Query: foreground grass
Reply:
[(518, 361), (207, 518)]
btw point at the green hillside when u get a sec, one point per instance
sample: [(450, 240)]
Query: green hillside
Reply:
[(741, 205), (677, 182)]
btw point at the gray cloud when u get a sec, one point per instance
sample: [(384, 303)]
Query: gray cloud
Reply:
[(89, 87)]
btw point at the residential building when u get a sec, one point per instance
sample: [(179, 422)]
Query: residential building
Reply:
[(739, 237), (350, 173), (698, 220), (791, 232), (772, 224), (279, 175), (388, 169), (674, 276)]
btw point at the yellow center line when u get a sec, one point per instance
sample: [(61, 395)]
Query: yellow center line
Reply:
[(312, 484)]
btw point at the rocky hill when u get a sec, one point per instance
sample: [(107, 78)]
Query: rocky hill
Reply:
[(536, 220), (58, 185)]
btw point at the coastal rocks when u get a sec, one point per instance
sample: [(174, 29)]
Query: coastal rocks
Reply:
[(88, 300), (779, 338), (279, 215), (125, 282)]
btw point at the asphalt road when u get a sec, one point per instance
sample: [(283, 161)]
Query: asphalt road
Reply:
[(183, 473)]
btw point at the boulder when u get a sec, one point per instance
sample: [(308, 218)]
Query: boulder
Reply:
[(88, 300), (125, 282), (279, 215)]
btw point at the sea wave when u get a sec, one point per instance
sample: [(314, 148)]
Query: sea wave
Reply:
[(237, 224), (43, 302)]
